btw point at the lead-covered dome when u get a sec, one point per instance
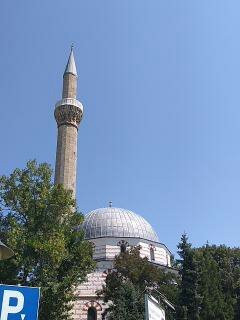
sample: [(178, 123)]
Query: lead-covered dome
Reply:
[(117, 222)]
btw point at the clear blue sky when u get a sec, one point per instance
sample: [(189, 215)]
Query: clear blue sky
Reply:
[(160, 84)]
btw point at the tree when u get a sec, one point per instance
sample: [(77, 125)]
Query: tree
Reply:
[(38, 222), (128, 303), (133, 276), (189, 299), (210, 286), (216, 284), (212, 306)]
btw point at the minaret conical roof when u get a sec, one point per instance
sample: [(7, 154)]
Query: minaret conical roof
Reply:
[(71, 65)]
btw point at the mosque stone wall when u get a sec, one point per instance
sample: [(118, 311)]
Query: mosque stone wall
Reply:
[(86, 292), (105, 250), (108, 248)]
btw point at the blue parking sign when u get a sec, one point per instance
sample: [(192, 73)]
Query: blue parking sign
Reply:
[(19, 303)]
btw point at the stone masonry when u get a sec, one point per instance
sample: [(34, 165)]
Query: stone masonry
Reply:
[(68, 114), (105, 251)]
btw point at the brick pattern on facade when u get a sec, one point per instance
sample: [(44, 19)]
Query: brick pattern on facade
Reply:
[(105, 250)]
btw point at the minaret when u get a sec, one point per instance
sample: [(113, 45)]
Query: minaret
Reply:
[(68, 114)]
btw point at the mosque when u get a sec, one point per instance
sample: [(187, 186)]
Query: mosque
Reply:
[(110, 230)]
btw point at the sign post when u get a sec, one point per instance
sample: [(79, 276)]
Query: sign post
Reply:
[(153, 311), (19, 303)]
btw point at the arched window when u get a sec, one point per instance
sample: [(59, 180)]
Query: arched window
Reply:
[(152, 256), (92, 314), (123, 247)]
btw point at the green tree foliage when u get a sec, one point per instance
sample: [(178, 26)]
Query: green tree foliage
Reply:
[(38, 222), (219, 282), (131, 278), (210, 282), (189, 299), (128, 303), (208, 286)]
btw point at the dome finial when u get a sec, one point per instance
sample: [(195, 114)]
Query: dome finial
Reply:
[(110, 204)]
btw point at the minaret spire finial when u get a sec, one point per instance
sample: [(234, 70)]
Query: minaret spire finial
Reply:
[(71, 65)]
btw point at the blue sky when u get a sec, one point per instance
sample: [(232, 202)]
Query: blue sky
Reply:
[(159, 81)]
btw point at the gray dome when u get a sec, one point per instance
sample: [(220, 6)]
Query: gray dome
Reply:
[(117, 222)]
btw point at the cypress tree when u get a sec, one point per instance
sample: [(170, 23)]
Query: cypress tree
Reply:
[(189, 300), (216, 283)]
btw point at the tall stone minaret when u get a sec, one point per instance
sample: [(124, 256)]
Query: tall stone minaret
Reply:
[(68, 114)]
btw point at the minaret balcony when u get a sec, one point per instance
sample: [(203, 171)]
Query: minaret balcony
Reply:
[(68, 111), (69, 102)]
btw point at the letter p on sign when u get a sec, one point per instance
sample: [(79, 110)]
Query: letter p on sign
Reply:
[(19, 303), (7, 308)]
